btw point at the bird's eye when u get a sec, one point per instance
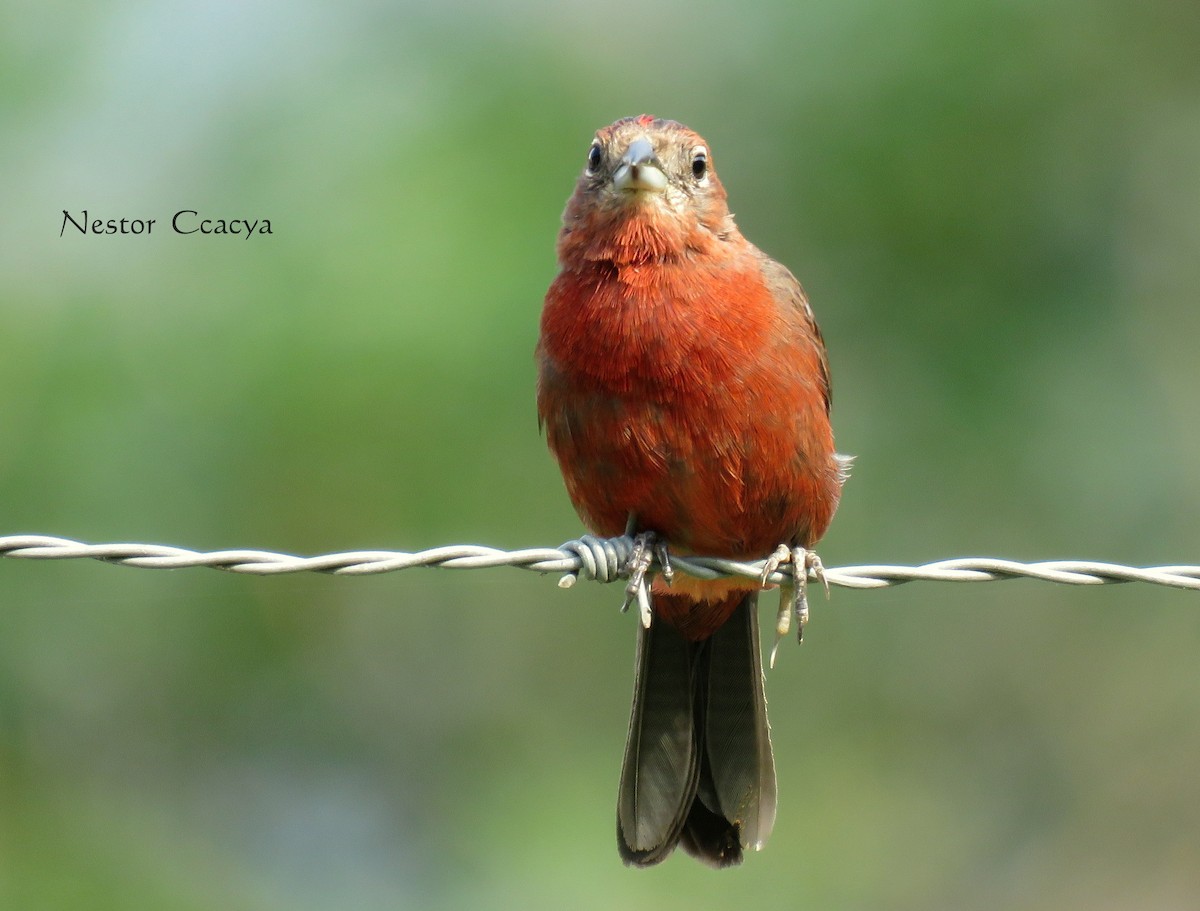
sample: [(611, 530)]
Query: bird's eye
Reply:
[(699, 163), (595, 156)]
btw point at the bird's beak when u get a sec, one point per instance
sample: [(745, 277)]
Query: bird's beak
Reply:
[(640, 169)]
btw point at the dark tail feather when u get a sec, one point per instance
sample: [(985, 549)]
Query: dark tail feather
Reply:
[(698, 768), (735, 799), (658, 776)]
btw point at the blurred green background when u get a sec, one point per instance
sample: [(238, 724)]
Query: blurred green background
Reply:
[(995, 208)]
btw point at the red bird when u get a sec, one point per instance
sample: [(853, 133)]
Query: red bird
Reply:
[(684, 390)]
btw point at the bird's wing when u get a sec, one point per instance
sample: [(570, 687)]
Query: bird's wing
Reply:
[(786, 290)]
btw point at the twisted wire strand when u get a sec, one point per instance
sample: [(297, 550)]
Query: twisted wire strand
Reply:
[(600, 559)]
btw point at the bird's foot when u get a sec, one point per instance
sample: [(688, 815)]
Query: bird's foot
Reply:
[(782, 555), (648, 547), (793, 594)]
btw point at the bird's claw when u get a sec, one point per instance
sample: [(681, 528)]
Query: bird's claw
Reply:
[(647, 548), (782, 555), (641, 558), (793, 594), (663, 555), (813, 564)]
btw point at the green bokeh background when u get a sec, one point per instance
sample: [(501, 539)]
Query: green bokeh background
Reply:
[(995, 207)]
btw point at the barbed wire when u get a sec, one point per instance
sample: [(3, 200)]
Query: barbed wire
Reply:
[(601, 559)]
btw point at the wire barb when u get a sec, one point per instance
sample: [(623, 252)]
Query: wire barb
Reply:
[(599, 559)]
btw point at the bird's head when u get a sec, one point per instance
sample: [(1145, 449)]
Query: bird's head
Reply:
[(648, 185)]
